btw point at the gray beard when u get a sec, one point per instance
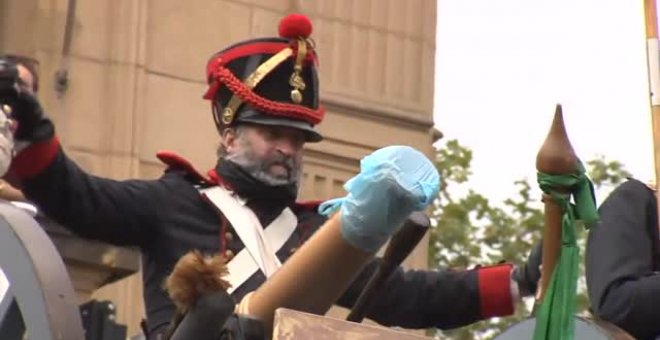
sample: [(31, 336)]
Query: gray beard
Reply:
[(260, 169)]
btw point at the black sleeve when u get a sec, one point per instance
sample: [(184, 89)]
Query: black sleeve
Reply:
[(119, 212), (420, 299), (623, 287)]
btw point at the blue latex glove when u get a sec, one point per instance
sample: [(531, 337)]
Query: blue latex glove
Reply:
[(393, 182)]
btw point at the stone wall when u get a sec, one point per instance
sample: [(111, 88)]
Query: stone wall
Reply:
[(136, 70)]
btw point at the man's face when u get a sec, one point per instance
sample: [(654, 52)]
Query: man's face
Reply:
[(272, 154), (26, 79)]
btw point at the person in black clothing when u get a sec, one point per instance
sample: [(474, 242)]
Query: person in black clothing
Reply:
[(623, 260), (264, 95), (27, 78), (28, 74)]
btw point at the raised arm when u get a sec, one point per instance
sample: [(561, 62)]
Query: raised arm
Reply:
[(119, 212), (113, 211)]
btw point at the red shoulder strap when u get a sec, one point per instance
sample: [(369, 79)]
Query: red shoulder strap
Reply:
[(175, 161)]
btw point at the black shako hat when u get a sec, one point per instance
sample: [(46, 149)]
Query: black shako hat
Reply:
[(270, 81)]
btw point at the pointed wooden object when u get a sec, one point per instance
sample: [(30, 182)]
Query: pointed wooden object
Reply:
[(556, 157)]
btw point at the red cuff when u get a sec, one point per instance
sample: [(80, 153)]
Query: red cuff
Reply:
[(495, 290), (34, 159)]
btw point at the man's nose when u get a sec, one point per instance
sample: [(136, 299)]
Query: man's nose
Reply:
[(287, 146)]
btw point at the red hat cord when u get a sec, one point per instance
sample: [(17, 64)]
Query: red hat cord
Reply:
[(266, 105)]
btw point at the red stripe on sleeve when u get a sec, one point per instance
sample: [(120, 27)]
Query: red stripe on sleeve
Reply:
[(495, 290), (34, 159)]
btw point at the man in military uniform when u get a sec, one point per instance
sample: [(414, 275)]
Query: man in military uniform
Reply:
[(623, 261), (264, 94)]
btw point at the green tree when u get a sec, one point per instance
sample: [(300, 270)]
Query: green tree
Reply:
[(471, 230)]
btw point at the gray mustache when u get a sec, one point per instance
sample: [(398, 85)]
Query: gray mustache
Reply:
[(282, 160)]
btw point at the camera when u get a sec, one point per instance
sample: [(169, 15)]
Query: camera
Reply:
[(9, 83), (9, 77)]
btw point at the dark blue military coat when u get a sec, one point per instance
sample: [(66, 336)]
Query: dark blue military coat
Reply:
[(623, 261), (167, 217)]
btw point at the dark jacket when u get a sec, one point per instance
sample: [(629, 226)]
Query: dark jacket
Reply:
[(622, 261), (167, 217)]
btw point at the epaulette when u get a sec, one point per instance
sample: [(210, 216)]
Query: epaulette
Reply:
[(176, 162)]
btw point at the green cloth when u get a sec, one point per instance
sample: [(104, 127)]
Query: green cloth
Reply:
[(555, 316)]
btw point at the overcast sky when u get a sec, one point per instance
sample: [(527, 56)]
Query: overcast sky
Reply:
[(502, 65)]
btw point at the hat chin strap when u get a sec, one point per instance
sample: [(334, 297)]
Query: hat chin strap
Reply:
[(219, 126), (296, 81)]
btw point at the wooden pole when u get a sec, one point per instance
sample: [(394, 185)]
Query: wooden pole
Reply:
[(556, 157), (311, 280), (653, 67)]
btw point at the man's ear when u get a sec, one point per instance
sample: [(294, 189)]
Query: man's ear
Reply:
[(228, 138)]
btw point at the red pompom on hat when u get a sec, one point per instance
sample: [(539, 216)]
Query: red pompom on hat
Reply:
[(295, 26)]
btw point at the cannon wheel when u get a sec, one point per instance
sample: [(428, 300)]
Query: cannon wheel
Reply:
[(585, 329), (36, 295)]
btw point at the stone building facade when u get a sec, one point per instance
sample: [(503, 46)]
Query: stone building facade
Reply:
[(136, 77)]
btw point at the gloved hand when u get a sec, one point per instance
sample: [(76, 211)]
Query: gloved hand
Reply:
[(33, 125), (528, 274), (393, 182)]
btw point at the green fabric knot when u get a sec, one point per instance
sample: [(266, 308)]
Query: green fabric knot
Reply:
[(555, 317), (580, 187)]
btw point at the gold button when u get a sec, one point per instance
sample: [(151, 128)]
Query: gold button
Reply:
[(229, 237), (229, 254), (227, 115)]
